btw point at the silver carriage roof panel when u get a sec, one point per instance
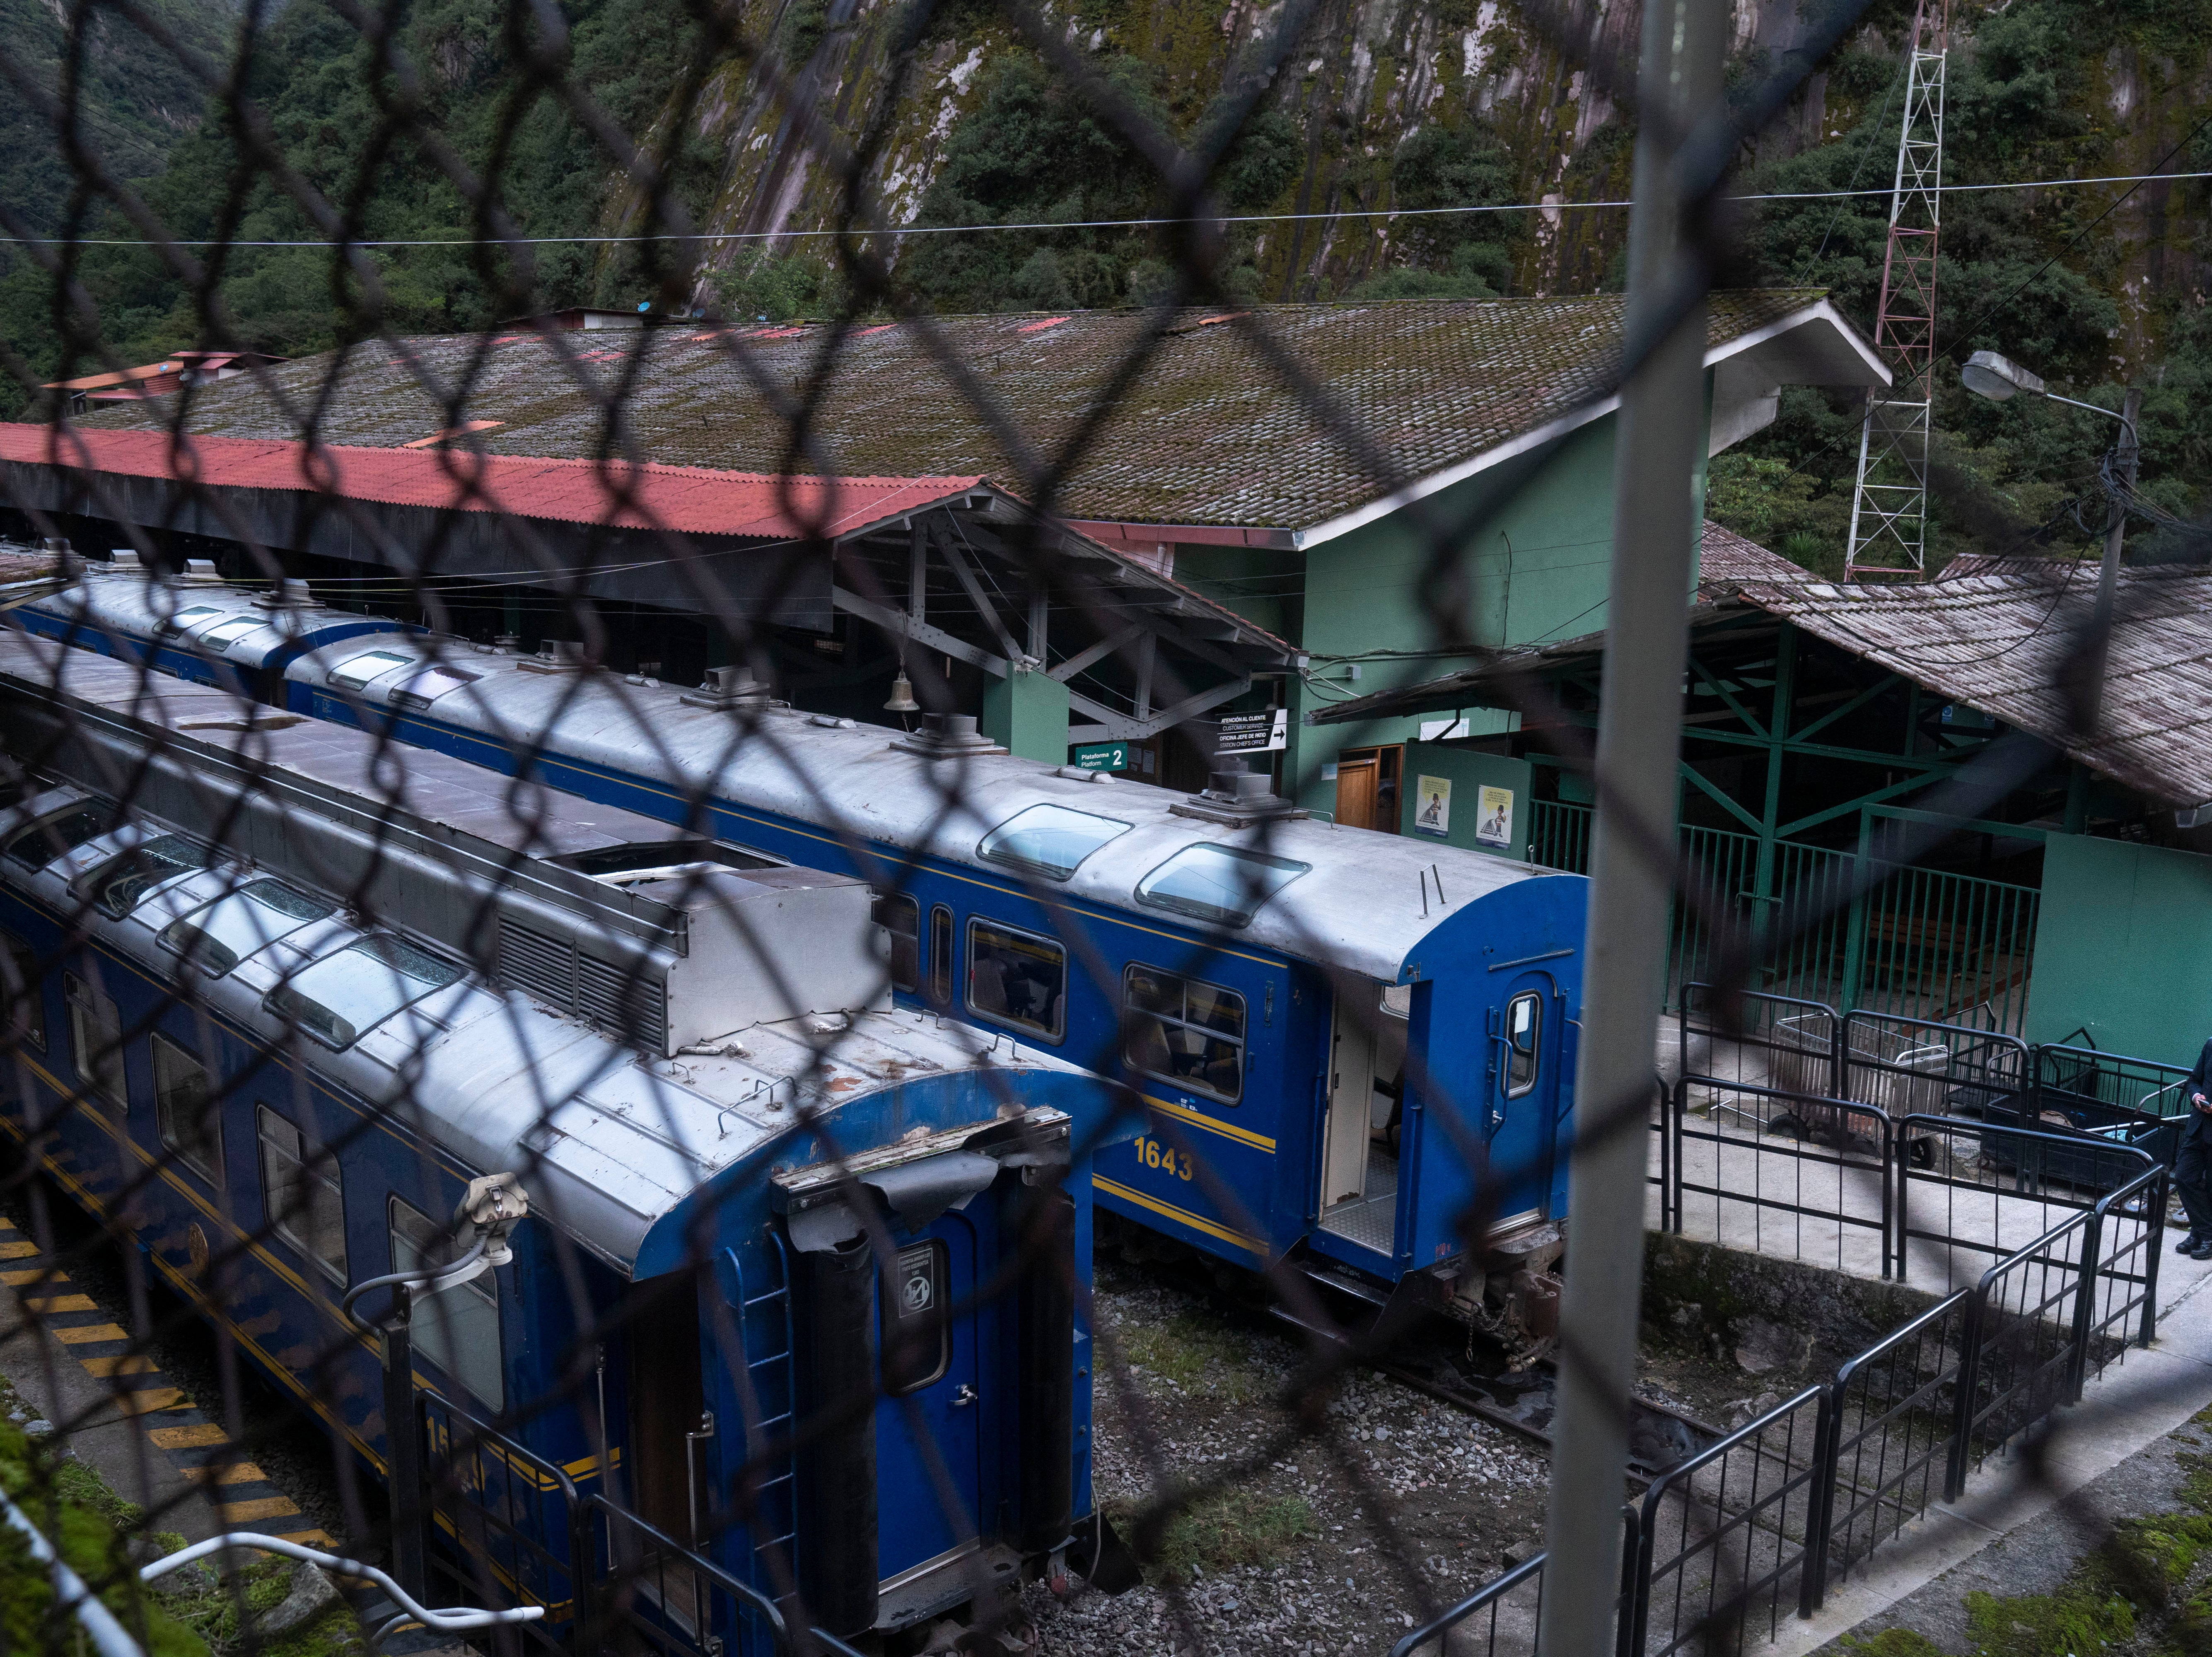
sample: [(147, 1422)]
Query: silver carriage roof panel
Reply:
[(1361, 904), (607, 1141), (439, 791), (126, 600)]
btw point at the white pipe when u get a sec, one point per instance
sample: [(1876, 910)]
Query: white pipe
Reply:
[(94, 1618), (451, 1622)]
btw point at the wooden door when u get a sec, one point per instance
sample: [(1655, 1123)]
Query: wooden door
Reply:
[(1357, 783)]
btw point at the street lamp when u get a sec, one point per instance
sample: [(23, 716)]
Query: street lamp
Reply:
[(1998, 377)]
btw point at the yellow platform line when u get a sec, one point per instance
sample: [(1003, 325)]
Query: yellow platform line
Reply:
[(232, 1472), (49, 1303), (148, 1400), (310, 1539), (196, 1437), (85, 1334), (20, 1248), (124, 1364), (268, 1506)]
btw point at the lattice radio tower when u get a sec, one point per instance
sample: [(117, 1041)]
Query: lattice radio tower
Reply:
[(1889, 505)]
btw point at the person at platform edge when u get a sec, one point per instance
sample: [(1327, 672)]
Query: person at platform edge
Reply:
[(2192, 1168)]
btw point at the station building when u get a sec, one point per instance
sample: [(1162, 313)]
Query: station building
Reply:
[(2060, 884), (1278, 509)]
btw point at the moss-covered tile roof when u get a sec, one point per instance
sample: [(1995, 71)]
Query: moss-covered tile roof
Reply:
[(1209, 431)]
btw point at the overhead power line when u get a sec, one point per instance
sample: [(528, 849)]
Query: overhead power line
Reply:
[(2131, 179)]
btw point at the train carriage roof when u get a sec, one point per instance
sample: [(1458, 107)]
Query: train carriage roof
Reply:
[(1363, 900)]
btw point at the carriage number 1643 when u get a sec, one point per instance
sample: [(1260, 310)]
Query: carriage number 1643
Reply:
[(1152, 1154)]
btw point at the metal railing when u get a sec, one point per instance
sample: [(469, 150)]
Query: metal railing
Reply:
[(1908, 1065), (1499, 1618), (511, 1528), (1724, 1538), (1832, 1186)]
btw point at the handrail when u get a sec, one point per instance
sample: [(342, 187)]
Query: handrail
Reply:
[(1444, 1621), (707, 1568), (2067, 1141), (1640, 1610)]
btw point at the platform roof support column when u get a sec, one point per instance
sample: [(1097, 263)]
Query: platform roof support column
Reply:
[(1026, 712)]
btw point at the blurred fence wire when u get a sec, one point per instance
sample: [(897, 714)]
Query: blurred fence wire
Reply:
[(290, 973)]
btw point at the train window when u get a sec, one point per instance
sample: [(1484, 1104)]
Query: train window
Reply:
[(335, 998), (917, 1337), (303, 1193), (185, 620), (236, 925), (432, 682), (1524, 1024), (940, 955), (1220, 883), (186, 1115), (122, 881), (95, 1038), (36, 846), (1398, 1000), (1184, 1031), (1016, 978), (901, 916), (1050, 840), (456, 1328), (355, 671), (220, 639), (22, 993)]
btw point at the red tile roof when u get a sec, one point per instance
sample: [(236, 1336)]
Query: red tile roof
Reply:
[(685, 499)]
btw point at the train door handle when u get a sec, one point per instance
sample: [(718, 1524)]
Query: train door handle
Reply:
[(691, 1442), (963, 1397)]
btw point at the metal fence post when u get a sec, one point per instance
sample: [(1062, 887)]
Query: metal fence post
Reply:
[(586, 1636), (1962, 1406), (2085, 1306), (1635, 1581), (1633, 848), (2154, 1241), (403, 1434), (1821, 1512), (1892, 1243)]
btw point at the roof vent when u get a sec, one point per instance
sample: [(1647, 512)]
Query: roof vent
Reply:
[(124, 561), (1236, 799), (727, 688), (556, 656), (201, 573), (943, 736), (285, 595)]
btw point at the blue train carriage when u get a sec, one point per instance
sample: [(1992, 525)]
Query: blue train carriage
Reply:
[(311, 1113), (1260, 1031), (196, 625)]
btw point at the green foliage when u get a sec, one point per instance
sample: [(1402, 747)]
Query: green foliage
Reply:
[(1038, 150), (89, 1524), (1451, 255), (334, 118), (2017, 274), (1893, 1642), (1234, 1527)]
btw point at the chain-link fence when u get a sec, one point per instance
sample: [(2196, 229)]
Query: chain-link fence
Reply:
[(661, 1136)]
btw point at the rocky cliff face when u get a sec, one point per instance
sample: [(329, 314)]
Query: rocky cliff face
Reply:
[(1367, 74)]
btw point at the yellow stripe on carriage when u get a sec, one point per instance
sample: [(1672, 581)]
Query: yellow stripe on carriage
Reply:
[(1181, 1216)]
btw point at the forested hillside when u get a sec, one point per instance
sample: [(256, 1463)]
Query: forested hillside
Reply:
[(758, 119)]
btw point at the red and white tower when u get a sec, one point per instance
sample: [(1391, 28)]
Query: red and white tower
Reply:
[(1889, 507)]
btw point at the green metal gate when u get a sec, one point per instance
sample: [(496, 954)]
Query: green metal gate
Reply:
[(1919, 943)]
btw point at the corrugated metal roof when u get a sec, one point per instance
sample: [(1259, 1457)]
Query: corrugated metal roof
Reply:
[(1209, 432), (1999, 643), (685, 499), (1725, 559)]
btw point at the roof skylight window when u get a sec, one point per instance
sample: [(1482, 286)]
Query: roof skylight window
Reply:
[(338, 998), (240, 923), (1220, 883), (1051, 840), (355, 671), (122, 882)]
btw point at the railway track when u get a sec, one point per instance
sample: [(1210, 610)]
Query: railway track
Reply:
[(1440, 1362)]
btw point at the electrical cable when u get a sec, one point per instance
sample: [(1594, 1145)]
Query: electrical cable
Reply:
[(1033, 225)]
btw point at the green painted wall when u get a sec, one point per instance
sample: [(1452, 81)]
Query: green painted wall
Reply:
[(1468, 773), (1028, 713), (2123, 946)]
